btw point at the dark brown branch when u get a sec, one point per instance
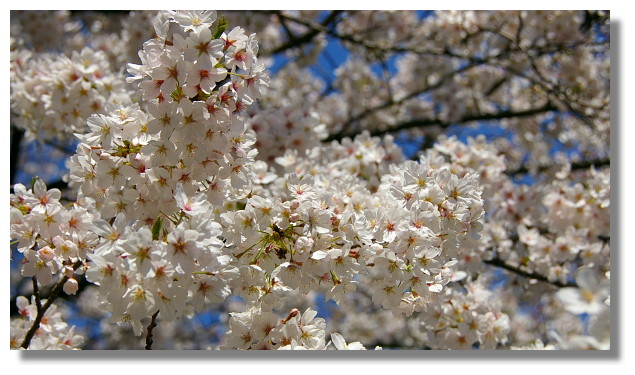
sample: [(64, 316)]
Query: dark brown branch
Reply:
[(496, 86), (549, 86), (36, 294), (152, 325), (419, 123), (344, 132), (382, 49), (305, 38), (497, 262), (17, 136), (576, 166), (513, 47), (42, 309), (470, 118), (82, 285), (290, 35)]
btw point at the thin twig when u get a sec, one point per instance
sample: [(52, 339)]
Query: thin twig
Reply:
[(305, 38), (344, 132), (36, 294), (153, 324)]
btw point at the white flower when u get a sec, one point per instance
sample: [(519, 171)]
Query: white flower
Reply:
[(172, 72), (43, 270), (340, 343), (193, 20), (200, 43), (41, 197), (112, 235), (589, 296), (204, 75), (183, 249), (190, 206)]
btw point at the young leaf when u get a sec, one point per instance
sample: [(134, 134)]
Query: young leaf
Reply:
[(156, 228), (33, 180), (222, 25)]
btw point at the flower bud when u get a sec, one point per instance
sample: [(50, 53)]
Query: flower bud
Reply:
[(46, 254), (71, 286), (294, 312), (294, 204), (68, 271)]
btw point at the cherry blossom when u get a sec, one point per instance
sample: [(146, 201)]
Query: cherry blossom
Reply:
[(226, 165)]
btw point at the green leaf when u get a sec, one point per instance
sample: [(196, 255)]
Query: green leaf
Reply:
[(156, 228), (220, 28), (33, 180)]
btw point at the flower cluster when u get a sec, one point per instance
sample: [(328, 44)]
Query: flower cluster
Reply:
[(343, 213), (53, 333), (286, 118), (463, 320), (53, 95), (557, 228), (51, 237), (40, 30), (169, 169), (263, 330), (199, 186)]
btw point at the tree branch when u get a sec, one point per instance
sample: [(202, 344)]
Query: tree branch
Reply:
[(514, 44), (418, 123), (308, 37), (497, 262), (383, 49), (344, 131), (14, 158), (576, 166), (41, 310), (36, 294)]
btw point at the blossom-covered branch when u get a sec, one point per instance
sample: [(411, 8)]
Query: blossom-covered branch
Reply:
[(297, 180)]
